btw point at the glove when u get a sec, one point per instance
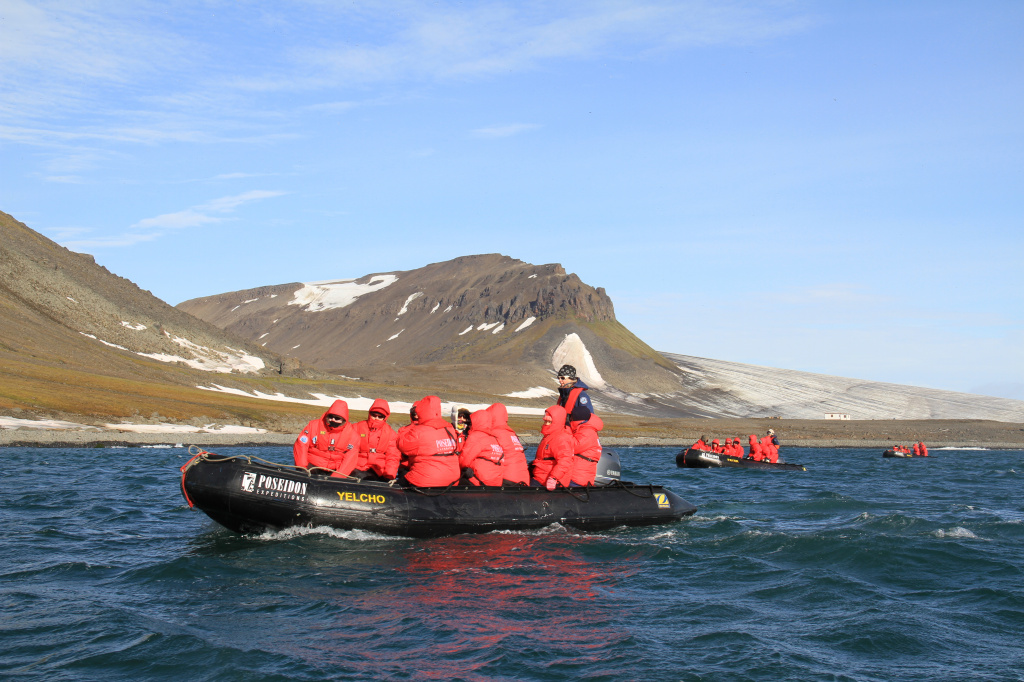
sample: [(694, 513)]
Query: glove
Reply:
[(551, 483)]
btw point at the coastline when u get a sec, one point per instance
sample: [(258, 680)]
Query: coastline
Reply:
[(94, 439)]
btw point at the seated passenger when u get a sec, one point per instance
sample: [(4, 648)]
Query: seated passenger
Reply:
[(552, 465), (429, 445), (378, 445), (461, 419), (768, 451), (481, 454), (329, 442), (513, 468), (756, 451), (734, 448), (924, 449), (586, 449), (716, 447), (701, 444)]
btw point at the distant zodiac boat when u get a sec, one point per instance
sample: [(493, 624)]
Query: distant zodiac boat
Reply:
[(248, 495), (702, 459), (894, 453)]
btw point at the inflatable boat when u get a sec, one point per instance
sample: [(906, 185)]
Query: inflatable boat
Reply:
[(249, 495), (702, 459), (893, 453)]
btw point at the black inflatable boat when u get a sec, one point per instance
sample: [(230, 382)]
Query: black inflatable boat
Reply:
[(701, 459), (248, 495)]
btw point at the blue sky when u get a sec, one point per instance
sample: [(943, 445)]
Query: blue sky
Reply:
[(835, 187)]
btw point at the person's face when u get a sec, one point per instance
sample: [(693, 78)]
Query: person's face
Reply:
[(547, 420), (334, 420), (564, 381), (376, 415)]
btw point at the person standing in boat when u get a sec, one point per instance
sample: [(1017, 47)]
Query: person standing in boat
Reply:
[(572, 395), (552, 465), (514, 469), (378, 455), (329, 442), (481, 456), (430, 446)]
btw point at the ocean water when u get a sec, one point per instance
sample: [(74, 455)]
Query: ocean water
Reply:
[(861, 568)]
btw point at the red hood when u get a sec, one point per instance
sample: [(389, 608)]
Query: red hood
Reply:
[(753, 439), (499, 415), (380, 405), (428, 412), (594, 423), (557, 414), (340, 407), (481, 421)]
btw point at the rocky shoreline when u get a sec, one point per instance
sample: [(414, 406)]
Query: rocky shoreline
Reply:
[(94, 439)]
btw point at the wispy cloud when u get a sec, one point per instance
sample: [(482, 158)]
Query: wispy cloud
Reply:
[(505, 130), (148, 229), (200, 215)]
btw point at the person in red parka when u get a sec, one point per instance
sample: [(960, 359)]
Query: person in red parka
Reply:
[(429, 444), (756, 452), (768, 451), (329, 442), (552, 465), (586, 450), (733, 448), (924, 449), (481, 456), (716, 447), (378, 444), (513, 468), (701, 444)]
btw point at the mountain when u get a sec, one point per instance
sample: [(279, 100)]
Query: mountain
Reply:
[(493, 323), (486, 320)]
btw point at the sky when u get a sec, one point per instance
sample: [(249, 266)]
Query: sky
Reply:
[(833, 187)]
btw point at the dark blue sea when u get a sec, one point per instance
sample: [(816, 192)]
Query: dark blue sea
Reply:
[(861, 568)]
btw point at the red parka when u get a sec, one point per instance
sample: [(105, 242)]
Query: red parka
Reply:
[(378, 443), (429, 445), (482, 453), (555, 451), (756, 451), (328, 448), (513, 467), (768, 450), (586, 450), (701, 445), (924, 449)]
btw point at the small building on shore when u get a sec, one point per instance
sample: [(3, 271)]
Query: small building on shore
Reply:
[(836, 415)]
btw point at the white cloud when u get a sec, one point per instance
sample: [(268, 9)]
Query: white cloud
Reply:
[(504, 131), (198, 215)]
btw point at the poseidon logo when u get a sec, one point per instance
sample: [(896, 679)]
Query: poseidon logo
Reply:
[(248, 481)]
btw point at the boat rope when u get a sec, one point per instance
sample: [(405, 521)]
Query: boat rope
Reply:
[(572, 491), (620, 484), (422, 491)]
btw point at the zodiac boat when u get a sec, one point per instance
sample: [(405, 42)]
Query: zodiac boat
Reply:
[(249, 495), (893, 453), (702, 459)]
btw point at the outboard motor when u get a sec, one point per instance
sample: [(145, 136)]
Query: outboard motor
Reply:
[(609, 469)]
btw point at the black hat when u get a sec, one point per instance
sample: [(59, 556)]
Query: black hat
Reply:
[(567, 371)]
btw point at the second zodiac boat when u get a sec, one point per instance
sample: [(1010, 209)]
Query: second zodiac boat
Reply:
[(248, 495), (702, 459)]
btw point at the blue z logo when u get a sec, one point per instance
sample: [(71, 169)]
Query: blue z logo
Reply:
[(662, 500)]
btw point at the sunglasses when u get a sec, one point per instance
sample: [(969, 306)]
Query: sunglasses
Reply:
[(334, 419), (561, 377), (376, 415)]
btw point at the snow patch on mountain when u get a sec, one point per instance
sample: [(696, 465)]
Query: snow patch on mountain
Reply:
[(337, 293), (571, 351)]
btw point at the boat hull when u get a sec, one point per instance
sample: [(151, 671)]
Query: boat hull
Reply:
[(251, 497), (701, 459)]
